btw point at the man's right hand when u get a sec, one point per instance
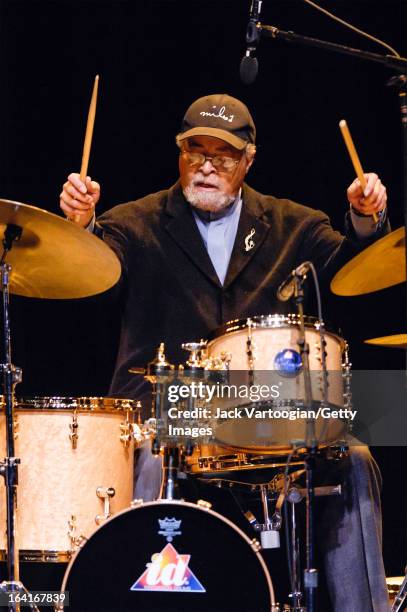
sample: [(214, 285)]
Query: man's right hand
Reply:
[(78, 199)]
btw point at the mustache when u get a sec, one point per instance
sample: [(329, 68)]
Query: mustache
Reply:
[(200, 180)]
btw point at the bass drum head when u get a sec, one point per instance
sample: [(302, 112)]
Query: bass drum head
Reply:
[(168, 556)]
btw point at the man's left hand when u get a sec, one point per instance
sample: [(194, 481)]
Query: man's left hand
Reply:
[(370, 200)]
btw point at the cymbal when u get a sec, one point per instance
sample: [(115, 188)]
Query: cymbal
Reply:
[(396, 341), (381, 265), (55, 258)]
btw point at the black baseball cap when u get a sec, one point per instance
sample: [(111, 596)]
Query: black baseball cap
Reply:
[(221, 116)]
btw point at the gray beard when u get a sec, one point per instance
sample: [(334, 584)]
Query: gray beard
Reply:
[(211, 202)]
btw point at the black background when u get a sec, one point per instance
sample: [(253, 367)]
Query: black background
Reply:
[(154, 58)]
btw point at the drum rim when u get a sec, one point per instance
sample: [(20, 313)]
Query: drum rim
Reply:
[(176, 502), (84, 404), (276, 321)]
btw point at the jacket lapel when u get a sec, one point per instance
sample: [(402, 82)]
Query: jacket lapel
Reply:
[(184, 230), (251, 232)]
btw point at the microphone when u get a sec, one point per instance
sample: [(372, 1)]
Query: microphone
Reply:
[(249, 65), (287, 287)]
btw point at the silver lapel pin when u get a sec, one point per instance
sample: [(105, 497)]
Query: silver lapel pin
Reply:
[(248, 242)]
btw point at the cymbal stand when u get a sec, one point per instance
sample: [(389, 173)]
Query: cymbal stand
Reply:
[(9, 465), (401, 597)]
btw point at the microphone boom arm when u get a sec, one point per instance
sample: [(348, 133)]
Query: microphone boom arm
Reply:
[(395, 63)]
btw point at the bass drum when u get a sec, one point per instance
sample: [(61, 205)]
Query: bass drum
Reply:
[(168, 555)]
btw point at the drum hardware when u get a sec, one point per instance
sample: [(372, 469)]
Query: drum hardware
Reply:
[(16, 427), (255, 545), (76, 541), (130, 431), (39, 274), (270, 529), (9, 466), (310, 573), (250, 352), (17, 374), (157, 373), (171, 466), (293, 497), (347, 384), (104, 493), (126, 431), (145, 431), (401, 596), (337, 452), (299, 276), (197, 354), (73, 436), (204, 504)]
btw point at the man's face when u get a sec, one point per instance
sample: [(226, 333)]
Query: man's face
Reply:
[(205, 185)]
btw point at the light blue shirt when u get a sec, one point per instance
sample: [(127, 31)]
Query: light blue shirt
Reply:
[(218, 233)]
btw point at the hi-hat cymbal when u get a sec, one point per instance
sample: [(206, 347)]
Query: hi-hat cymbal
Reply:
[(396, 341), (55, 258), (381, 265)]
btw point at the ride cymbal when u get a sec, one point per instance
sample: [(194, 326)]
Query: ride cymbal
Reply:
[(55, 258), (381, 265)]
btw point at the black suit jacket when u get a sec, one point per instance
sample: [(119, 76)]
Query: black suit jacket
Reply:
[(169, 288)]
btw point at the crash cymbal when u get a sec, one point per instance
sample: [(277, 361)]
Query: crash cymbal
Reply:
[(55, 258), (396, 341), (381, 265)]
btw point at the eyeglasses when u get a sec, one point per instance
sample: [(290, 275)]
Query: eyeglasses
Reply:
[(220, 162)]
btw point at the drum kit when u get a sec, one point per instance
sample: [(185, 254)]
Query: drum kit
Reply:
[(71, 459)]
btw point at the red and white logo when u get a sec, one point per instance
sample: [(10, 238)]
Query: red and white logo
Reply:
[(168, 571)]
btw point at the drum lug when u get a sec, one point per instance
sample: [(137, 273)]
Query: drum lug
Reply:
[(204, 504), (347, 383), (255, 544), (250, 349), (126, 431), (16, 426), (105, 493), (74, 426), (136, 503), (76, 541)]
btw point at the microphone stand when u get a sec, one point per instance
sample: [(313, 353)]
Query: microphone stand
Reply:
[(310, 573), (398, 64)]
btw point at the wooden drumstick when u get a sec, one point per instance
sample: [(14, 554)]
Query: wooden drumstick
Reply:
[(354, 157), (88, 135)]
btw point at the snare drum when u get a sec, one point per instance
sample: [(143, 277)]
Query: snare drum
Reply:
[(263, 351), (169, 555), (76, 470)]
